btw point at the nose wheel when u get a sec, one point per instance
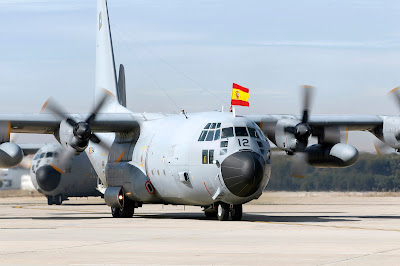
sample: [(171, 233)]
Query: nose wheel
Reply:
[(125, 212)]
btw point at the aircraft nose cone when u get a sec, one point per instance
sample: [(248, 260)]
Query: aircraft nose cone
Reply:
[(243, 172), (47, 177)]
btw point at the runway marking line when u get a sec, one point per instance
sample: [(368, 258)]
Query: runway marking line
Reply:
[(38, 208), (331, 226)]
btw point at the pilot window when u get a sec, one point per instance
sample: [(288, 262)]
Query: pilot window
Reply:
[(210, 135), (253, 133), (227, 132), (210, 156), (217, 134), (205, 156), (49, 154), (42, 155), (224, 144), (36, 156), (203, 135), (241, 132)]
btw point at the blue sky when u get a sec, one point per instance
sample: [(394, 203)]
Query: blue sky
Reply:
[(348, 50)]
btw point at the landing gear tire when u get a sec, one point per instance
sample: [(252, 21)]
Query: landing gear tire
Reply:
[(58, 199), (49, 200), (236, 212), (223, 211), (115, 212), (124, 212)]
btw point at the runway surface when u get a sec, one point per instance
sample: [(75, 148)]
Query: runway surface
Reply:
[(279, 228)]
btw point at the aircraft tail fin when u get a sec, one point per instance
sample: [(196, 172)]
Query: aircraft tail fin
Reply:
[(105, 66)]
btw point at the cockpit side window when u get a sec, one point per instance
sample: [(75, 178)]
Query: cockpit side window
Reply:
[(42, 155), (227, 132), (261, 134), (217, 134), (36, 156), (203, 135), (253, 133), (49, 154), (241, 132)]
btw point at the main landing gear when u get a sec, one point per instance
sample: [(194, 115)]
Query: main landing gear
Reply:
[(125, 212), (57, 200), (223, 210)]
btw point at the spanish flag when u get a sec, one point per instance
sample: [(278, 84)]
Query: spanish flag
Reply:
[(240, 95)]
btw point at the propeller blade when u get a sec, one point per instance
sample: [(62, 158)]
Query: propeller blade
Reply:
[(64, 159), (27, 161), (96, 140), (106, 95), (396, 93), (307, 97), (299, 165), (382, 148), (55, 108)]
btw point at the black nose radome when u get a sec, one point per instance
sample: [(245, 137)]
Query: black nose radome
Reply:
[(47, 177), (243, 172)]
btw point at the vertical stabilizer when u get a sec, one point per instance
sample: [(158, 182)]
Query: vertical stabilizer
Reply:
[(105, 66)]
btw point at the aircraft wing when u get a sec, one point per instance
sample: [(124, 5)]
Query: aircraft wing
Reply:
[(50, 123), (348, 122)]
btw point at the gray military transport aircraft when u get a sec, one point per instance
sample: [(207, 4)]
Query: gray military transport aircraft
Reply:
[(216, 160)]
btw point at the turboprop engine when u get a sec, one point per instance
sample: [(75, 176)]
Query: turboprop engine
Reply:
[(10, 155)]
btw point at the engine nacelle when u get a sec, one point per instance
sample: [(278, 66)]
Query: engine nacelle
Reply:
[(338, 155), (283, 139), (390, 132), (10, 155), (67, 138)]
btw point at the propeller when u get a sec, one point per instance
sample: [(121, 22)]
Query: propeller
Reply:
[(302, 131), (82, 130)]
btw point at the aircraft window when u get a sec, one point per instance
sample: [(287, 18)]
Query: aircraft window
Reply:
[(205, 156), (223, 151), (227, 132), (241, 132), (262, 151), (217, 134), (158, 172), (210, 135), (253, 133), (211, 156), (164, 171), (42, 155), (36, 156), (203, 135), (218, 125), (207, 126), (259, 144), (224, 144), (49, 154), (261, 134), (213, 126)]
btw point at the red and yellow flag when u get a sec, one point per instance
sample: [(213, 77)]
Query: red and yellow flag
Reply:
[(240, 95)]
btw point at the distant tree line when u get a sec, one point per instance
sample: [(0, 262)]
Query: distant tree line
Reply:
[(370, 173)]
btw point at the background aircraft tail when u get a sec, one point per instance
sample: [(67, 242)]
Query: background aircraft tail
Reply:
[(105, 66)]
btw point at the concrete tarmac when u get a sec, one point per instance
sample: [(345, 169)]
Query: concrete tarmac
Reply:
[(279, 228)]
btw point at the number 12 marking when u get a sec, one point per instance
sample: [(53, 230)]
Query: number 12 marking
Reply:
[(243, 142)]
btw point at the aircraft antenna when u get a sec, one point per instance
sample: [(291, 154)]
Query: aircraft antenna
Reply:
[(151, 77), (151, 52)]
